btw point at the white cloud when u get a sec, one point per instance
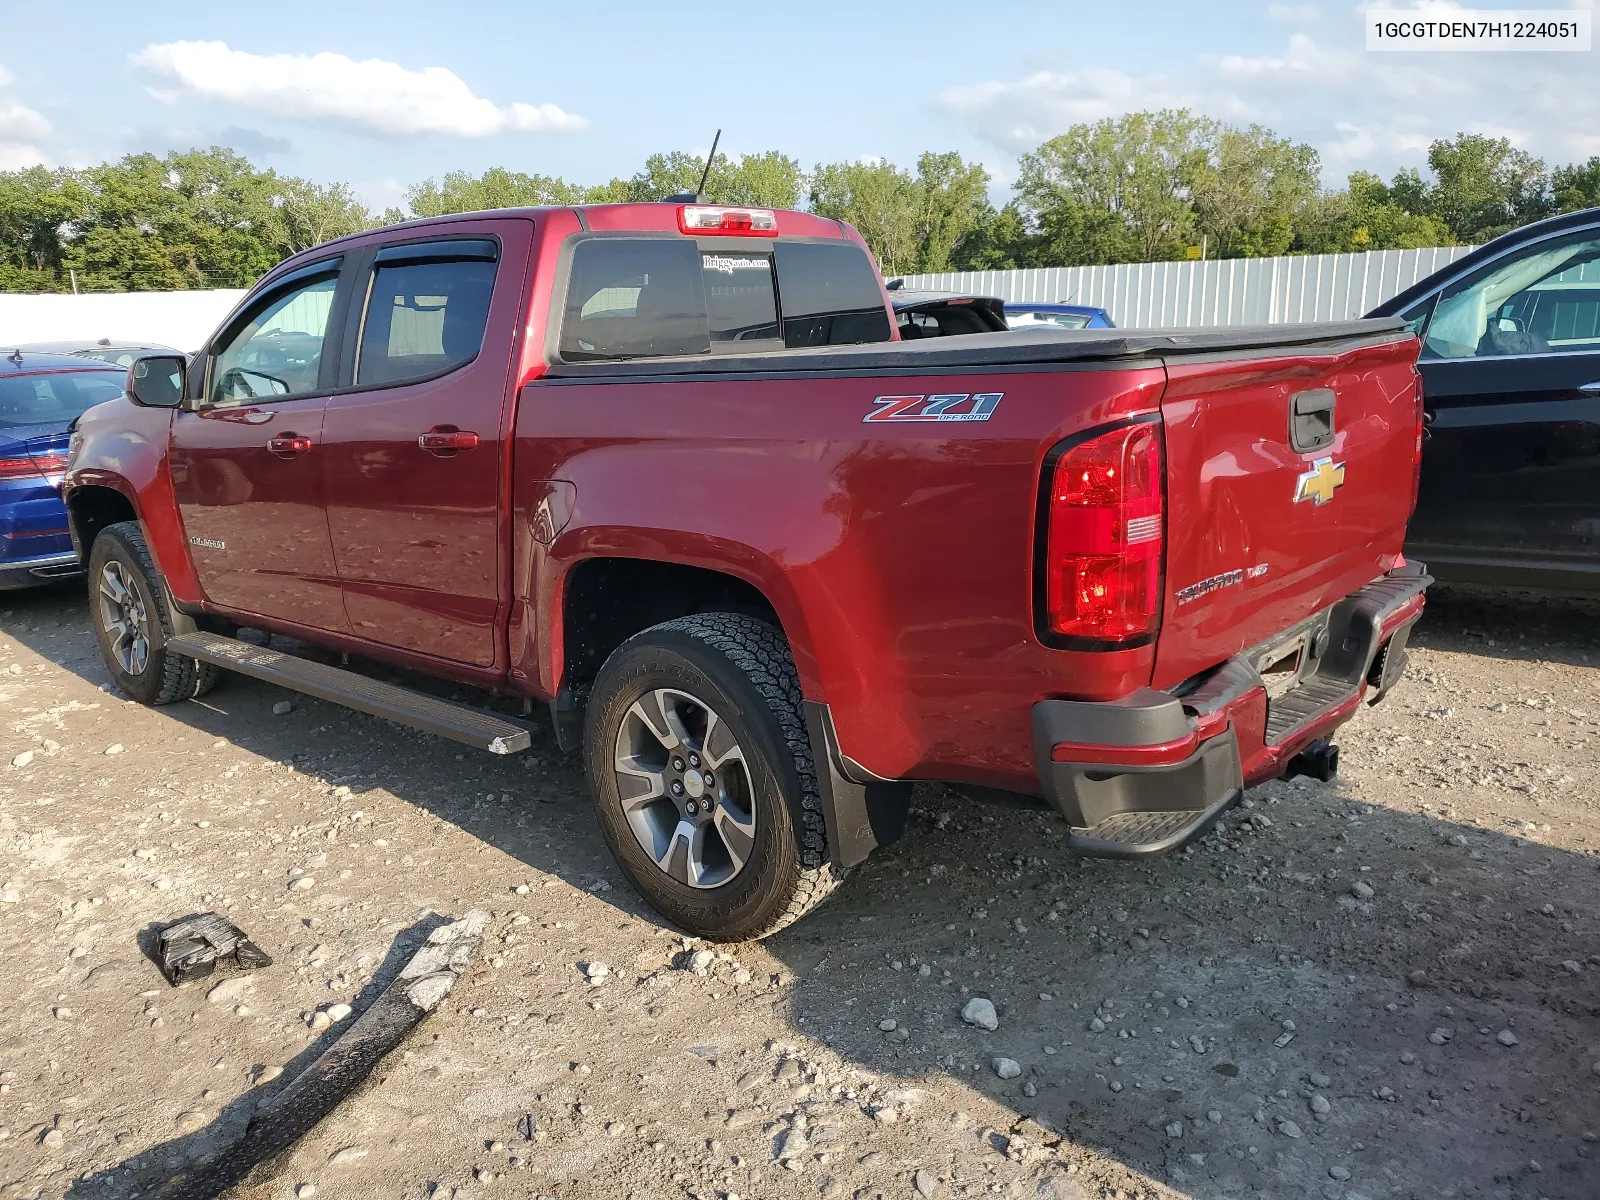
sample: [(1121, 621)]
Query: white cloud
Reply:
[(1293, 14), (21, 128), (373, 95), (1361, 110)]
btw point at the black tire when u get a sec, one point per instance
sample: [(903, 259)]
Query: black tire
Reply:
[(164, 678), (742, 669)]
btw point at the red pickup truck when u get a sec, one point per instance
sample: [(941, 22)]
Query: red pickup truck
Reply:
[(667, 469)]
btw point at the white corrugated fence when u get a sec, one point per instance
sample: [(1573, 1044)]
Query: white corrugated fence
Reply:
[(182, 320), (1232, 291), (1235, 291)]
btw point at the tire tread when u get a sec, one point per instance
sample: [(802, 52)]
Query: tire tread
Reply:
[(762, 654), (182, 678)]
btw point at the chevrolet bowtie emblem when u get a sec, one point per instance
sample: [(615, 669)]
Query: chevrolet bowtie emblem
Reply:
[(1319, 483)]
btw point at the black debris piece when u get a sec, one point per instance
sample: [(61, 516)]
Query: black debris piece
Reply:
[(285, 1116), (191, 948)]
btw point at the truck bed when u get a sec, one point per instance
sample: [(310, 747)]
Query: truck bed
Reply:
[(1014, 348)]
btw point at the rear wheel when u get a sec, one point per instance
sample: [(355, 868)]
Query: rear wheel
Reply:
[(703, 776), (133, 622)]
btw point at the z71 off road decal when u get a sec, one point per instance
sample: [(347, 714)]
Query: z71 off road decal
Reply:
[(953, 406)]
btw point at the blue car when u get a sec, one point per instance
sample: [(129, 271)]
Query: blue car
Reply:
[(40, 396), (1026, 314)]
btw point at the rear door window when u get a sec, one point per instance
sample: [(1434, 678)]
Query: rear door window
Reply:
[(427, 315), (830, 295)]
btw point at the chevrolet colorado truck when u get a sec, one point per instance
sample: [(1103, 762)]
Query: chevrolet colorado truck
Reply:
[(666, 469)]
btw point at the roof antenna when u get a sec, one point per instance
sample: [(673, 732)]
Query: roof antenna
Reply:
[(700, 192), (16, 357)]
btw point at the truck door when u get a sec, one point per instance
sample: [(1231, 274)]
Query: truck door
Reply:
[(246, 453), (415, 469), (1511, 377)]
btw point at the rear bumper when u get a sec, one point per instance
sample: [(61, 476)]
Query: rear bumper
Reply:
[(32, 572), (1146, 774)]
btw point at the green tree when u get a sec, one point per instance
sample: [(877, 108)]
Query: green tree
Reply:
[(497, 187), (1366, 216), (1576, 186), (197, 219), (999, 240), (950, 198), (770, 180), (1249, 189), (312, 213), (36, 205), (1484, 186), (878, 199), (1135, 170)]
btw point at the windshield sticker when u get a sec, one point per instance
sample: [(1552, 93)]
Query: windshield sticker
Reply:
[(956, 406)]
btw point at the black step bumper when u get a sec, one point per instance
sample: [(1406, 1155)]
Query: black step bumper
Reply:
[(1146, 774)]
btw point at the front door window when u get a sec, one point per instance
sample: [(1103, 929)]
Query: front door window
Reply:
[(1545, 300), (278, 351)]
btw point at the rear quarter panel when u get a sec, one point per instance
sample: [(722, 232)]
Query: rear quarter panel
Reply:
[(899, 556)]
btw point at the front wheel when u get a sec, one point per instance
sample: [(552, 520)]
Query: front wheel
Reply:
[(132, 622), (703, 776)]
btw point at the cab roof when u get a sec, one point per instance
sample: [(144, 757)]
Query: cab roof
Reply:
[(641, 216)]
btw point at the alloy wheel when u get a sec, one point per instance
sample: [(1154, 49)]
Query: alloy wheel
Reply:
[(685, 788), (125, 618)]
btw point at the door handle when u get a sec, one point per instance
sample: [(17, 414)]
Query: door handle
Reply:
[(1590, 389), (289, 443), (445, 440)]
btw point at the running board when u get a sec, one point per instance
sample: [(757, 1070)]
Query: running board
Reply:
[(1140, 834), (484, 730)]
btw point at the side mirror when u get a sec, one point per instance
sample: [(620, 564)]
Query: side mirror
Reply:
[(156, 381)]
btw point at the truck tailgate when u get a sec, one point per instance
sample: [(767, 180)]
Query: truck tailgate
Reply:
[(1262, 534)]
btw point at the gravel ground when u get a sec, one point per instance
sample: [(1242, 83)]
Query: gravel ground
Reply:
[(1388, 986)]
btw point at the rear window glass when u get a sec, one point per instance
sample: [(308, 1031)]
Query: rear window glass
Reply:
[(55, 399), (740, 299), (830, 295), (424, 318), (653, 297), (635, 298)]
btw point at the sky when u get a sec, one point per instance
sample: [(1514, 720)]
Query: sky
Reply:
[(384, 95)]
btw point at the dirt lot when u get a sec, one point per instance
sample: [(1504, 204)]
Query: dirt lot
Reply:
[(1384, 987)]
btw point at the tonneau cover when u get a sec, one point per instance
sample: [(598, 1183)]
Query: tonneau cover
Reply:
[(999, 350)]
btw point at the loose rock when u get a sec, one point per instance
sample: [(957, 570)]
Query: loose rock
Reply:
[(980, 1012)]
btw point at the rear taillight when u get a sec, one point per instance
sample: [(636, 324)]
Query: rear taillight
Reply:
[(32, 466), (1102, 562)]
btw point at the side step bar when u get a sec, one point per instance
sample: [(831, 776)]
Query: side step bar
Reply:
[(1143, 834), (484, 730)]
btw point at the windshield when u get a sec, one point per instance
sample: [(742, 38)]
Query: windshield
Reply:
[(55, 398)]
